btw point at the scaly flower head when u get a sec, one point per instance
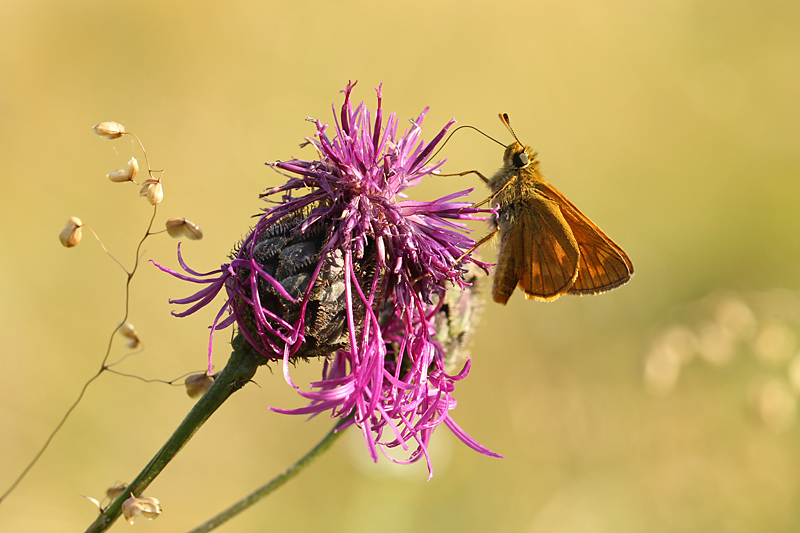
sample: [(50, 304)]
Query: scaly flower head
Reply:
[(353, 271)]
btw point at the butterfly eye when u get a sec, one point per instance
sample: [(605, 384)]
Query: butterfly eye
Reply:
[(520, 159)]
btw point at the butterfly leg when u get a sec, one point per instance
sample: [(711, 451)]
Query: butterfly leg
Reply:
[(466, 172), (493, 196), (465, 254), (475, 246)]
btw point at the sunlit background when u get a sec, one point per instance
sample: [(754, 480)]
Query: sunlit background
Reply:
[(667, 405)]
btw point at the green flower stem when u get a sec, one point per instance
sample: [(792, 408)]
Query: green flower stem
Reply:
[(276, 482), (240, 369)]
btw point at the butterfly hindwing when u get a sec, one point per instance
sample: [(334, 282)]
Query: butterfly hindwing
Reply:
[(537, 251)]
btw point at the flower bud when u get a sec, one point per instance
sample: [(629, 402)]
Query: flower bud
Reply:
[(125, 174), (151, 188), (71, 234), (198, 384), (178, 227), (457, 317), (150, 508), (109, 130)]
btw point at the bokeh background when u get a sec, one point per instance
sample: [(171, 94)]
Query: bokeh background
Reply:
[(667, 405)]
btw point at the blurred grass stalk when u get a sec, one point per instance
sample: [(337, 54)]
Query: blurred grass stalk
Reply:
[(275, 483)]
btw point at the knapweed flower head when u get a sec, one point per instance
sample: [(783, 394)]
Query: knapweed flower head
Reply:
[(355, 272)]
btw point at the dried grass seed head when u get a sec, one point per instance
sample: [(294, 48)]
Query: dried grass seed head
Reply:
[(125, 174), (114, 491), (71, 234), (198, 384), (180, 227), (109, 130), (151, 188), (147, 507)]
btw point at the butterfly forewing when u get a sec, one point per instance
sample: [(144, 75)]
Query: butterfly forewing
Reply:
[(603, 264)]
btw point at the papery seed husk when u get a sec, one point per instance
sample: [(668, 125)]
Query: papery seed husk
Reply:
[(109, 130), (133, 168), (198, 384), (146, 186), (151, 188), (127, 330), (155, 194), (192, 231), (180, 227), (175, 227), (125, 174), (151, 513), (151, 507), (116, 490), (131, 509), (94, 501), (148, 507), (118, 176), (71, 234)]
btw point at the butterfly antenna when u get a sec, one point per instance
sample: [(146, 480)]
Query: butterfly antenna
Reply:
[(507, 123), (453, 133)]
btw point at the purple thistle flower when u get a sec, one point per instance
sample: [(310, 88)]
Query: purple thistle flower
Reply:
[(353, 271)]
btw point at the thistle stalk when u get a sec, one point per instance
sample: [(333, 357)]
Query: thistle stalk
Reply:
[(239, 370)]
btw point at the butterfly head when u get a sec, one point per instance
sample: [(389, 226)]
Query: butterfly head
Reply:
[(518, 156)]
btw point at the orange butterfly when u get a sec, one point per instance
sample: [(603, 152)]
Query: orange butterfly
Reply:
[(547, 246)]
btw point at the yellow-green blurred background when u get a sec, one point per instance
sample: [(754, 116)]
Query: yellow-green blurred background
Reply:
[(667, 405)]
